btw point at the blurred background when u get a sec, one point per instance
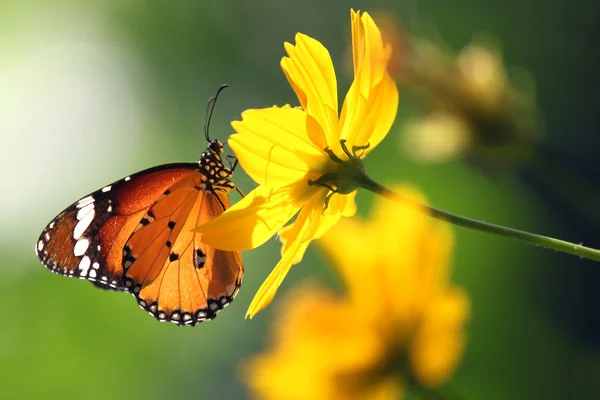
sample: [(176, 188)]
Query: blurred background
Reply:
[(93, 91)]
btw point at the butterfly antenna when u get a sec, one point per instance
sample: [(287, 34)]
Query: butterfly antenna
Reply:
[(210, 107)]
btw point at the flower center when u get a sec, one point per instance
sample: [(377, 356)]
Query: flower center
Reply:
[(344, 180)]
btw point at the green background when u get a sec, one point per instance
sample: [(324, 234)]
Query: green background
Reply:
[(93, 91)]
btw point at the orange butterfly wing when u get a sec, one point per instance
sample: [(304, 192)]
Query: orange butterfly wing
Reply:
[(173, 275), (135, 235), (86, 240)]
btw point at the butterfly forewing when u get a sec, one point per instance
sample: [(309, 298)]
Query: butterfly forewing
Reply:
[(136, 235), (173, 275), (86, 240)]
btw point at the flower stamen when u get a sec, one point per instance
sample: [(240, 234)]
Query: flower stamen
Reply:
[(351, 154), (332, 156), (345, 149), (322, 182), (362, 148)]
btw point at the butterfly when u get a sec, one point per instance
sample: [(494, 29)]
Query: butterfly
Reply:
[(135, 235)]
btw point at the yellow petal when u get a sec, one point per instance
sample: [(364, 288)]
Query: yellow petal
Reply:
[(408, 237), (299, 237), (371, 103), (398, 238), (435, 260), (368, 52), (404, 234), (381, 111), (273, 147), (339, 205), (255, 218), (358, 39), (315, 341), (440, 340), (310, 72), (349, 249), (283, 234)]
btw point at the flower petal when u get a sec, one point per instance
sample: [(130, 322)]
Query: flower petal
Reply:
[(315, 341), (255, 218), (439, 342), (371, 103), (273, 147), (299, 237), (352, 249), (310, 72), (381, 113), (339, 205), (398, 238), (345, 246)]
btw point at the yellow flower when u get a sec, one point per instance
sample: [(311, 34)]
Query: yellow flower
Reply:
[(475, 108), (298, 156), (400, 321)]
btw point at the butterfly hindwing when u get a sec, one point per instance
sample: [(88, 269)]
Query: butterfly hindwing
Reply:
[(136, 235), (173, 275), (86, 240)]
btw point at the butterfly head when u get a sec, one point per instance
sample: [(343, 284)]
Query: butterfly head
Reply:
[(215, 147), (217, 175)]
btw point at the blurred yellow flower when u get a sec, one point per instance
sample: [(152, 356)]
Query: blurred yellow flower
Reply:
[(440, 136), (299, 155), (400, 323), (473, 105), (474, 108)]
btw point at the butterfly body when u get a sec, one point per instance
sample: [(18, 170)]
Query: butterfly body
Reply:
[(135, 235)]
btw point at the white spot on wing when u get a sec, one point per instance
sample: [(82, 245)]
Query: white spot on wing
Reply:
[(127, 179), (84, 210), (85, 201), (92, 273), (83, 224), (106, 189), (84, 266), (81, 247), (40, 245)]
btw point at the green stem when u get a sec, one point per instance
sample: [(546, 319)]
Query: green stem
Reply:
[(362, 180)]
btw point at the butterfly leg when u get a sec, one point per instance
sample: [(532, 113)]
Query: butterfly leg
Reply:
[(240, 191), (219, 199), (232, 166)]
